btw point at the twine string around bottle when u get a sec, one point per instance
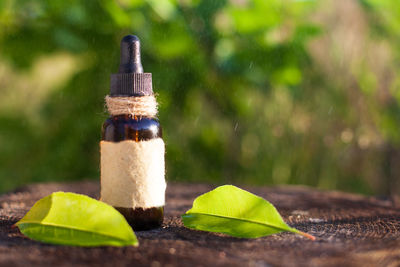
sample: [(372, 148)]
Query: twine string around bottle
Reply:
[(132, 105)]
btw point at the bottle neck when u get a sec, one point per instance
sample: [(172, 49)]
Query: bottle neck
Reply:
[(140, 106), (127, 127), (124, 117)]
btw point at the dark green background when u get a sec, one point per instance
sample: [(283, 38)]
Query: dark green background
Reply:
[(250, 92)]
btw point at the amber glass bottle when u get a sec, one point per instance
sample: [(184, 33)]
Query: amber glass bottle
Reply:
[(131, 82), (127, 127)]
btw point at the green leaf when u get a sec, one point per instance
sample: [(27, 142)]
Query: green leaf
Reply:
[(236, 212), (76, 220)]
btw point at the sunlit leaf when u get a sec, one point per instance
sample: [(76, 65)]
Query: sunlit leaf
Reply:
[(76, 220), (236, 212)]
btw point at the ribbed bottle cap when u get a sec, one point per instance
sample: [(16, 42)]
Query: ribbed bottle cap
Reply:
[(130, 79)]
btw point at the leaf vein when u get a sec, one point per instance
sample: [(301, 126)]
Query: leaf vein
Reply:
[(73, 228), (246, 220)]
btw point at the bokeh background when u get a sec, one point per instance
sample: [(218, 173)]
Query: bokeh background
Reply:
[(251, 92)]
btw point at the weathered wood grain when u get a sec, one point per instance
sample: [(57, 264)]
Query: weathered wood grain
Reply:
[(350, 230)]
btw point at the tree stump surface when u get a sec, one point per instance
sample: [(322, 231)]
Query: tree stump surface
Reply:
[(349, 229)]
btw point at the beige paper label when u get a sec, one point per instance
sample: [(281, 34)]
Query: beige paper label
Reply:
[(132, 173)]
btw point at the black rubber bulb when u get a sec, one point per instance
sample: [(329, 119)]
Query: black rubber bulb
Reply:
[(130, 55)]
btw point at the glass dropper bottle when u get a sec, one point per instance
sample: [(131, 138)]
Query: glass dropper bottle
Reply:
[(132, 148)]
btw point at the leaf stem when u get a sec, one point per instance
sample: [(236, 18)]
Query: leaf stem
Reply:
[(311, 237)]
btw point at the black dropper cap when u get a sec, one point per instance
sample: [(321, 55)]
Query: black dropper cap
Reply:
[(130, 79)]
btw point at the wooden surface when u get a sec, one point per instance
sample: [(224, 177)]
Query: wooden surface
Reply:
[(350, 230)]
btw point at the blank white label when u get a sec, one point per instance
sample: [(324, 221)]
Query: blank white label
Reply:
[(132, 173)]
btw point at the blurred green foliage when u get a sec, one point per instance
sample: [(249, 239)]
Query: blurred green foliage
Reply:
[(250, 92)]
